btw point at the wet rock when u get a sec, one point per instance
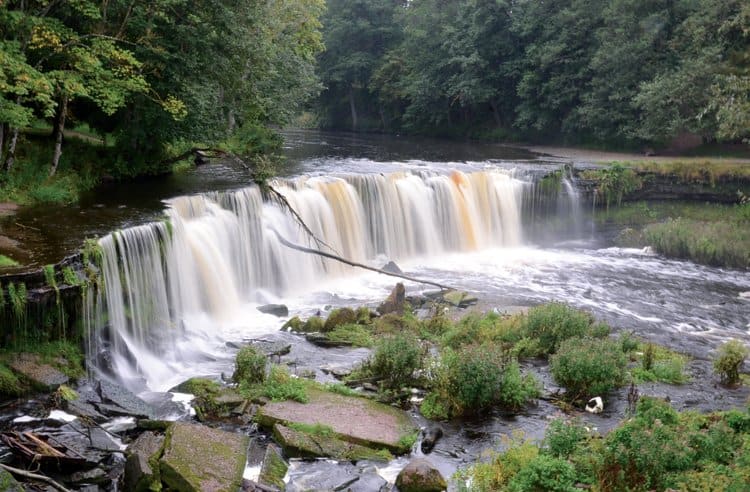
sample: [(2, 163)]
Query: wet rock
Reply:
[(391, 267), (338, 317), (279, 310), (274, 468), (322, 340), (272, 348), (431, 435), (8, 483), (595, 405), (198, 458), (93, 476), (459, 298), (142, 454), (81, 408), (420, 476), (395, 301), (42, 376), (351, 418), (338, 372), (119, 401), (327, 475), (320, 442)]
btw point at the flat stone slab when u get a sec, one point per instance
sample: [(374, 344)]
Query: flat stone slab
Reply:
[(202, 459), (353, 419), (298, 444), (41, 375)]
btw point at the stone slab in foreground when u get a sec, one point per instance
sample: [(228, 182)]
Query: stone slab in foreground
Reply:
[(357, 420), (201, 459)]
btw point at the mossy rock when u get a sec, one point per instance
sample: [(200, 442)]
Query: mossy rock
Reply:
[(198, 458), (142, 465), (353, 419), (8, 483), (314, 324), (274, 468), (338, 317), (303, 444), (212, 400), (294, 324), (394, 323), (420, 476)]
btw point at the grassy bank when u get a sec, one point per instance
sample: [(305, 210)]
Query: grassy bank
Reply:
[(710, 234)]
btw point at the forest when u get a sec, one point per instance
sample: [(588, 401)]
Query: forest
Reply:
[(615, 73)]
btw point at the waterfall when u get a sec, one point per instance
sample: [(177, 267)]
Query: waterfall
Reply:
[(171, 287)]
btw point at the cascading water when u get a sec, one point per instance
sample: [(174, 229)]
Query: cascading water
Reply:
[(173, 288)]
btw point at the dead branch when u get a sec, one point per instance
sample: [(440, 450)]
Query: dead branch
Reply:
[(34, 476), (304, 249)]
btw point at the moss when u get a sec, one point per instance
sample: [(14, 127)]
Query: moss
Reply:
[(6, 262), (70, 277), (17, 295), (407, 441), (10, 385), (294, 324), (274, 469), (314, 430), (351, 334), (339, 317), (64, 356), (314, 324), (304, 444)]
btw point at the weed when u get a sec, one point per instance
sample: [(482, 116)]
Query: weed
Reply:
[(250, 366), (6, 262), (729, 360)]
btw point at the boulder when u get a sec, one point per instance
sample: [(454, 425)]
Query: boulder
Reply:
[(338, 317), (391, 267), (141, 467), (199, 458), (279, 310), (321, 442), (350, 418), (274, 468), (459, 298), (119, 401), (42, 376), (420, 476), (395, 301)]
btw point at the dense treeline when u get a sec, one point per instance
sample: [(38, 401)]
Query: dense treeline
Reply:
[(619, 72), (154, 76)]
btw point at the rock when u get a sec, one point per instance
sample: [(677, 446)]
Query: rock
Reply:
[(81, 408), (322, 340), (595, 405), (431, 435), (354, 419), (459, 299), (8, 483), (279, 310), (337, 371), (141, 467), (199, 458), (322, 443), (395, 301), (420, 476), (329, 476), (391, 267), (42, 376), (93, 476), (272, 348), (119, 401), (338, 317), (274, 468)]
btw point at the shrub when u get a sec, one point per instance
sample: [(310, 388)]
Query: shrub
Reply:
[(553, 323), (9, 383), (496, 475), (355, 335), (564, 438), (588, 367), (250, 366), (280, 386), (516, 389), (433, 407), (395, 360), (730, 358), (339, 317), (545, 473)]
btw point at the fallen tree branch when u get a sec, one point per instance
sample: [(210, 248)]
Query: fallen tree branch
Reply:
[(312, 251), (34, 476)]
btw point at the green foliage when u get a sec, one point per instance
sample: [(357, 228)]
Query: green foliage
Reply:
[(65, 393), (614, 182), (70, 277), (280, 386), (250, 366), (6, 262), (545, 473), (497, 474), (395, 360), (729, 361), (65, 355), (433, 408), (340, 389), (516, 390), (554, 323), (588, 367), (315, 429), (351, 334), (564, 438), (17, 295), (9, 383)]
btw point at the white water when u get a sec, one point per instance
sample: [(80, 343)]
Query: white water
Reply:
[(175, 291)]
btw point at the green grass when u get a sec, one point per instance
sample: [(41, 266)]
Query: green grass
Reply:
[(9, 382), (6, 262), (278, 386), (355, 335), (697, 171)]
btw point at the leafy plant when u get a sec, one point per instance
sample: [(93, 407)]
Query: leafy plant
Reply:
[(729, 360), (250, 366), (588, 367)]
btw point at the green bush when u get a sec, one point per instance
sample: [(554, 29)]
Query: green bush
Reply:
[(396, 359), (564, 438), (250, 366), (433, 407), (545, 473), (730, 358), (9, 383), (553, 323), (280, 386), (588, 367), (351, 334), (476, 377), (497, 474), (338, 317)]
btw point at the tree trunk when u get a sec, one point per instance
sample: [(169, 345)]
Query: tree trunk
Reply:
[(11, 151), (496, 114), (62, 109), (353, 107)]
